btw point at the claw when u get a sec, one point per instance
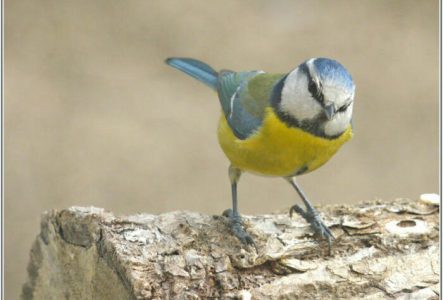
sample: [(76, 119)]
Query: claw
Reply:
[(237, 228), (310, 215), (313, 218), (296, 208)]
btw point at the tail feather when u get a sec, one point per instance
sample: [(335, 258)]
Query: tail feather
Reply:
[(197, 69)]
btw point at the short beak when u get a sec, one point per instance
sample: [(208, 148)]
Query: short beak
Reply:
[(329, 111)]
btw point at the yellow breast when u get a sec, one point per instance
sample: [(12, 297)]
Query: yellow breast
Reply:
[(276, 149)]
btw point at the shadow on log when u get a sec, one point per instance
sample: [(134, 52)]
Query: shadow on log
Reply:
[(382, 250)]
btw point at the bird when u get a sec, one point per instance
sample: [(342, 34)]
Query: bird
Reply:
[(279, 125)]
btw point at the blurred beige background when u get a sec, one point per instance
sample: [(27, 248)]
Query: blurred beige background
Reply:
[(94, 117)]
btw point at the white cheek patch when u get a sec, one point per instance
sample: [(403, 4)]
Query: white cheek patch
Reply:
[(296, 99), (301, 110)]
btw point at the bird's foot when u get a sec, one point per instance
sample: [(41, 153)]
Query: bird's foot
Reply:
[(313, 218), (237, 228)]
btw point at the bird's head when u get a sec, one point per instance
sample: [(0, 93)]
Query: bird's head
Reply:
[(319, 96)]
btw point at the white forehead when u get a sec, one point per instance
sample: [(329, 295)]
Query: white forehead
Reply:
[(312, 70), (337, 95)]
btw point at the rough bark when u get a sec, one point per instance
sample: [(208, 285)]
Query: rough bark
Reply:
[(382, 250)]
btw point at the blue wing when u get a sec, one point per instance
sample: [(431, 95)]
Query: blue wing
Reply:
[(242, 108), (243, 112)]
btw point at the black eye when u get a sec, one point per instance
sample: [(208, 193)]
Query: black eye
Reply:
[(315, 91), (312, 87)]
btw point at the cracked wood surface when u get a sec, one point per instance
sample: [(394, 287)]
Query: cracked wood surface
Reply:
[(383, 250)]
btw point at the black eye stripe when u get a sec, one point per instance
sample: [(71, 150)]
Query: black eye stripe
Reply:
[(314, 89), (344, 107)]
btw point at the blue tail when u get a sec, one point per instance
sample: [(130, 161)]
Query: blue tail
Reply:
[(196, 69)]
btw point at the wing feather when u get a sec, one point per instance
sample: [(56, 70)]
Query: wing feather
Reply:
[(244, 97)]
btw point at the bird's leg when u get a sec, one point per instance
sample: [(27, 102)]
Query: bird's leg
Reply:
[(233, 214), (310, 215)]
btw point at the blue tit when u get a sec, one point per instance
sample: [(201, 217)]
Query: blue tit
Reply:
[(281, 125)]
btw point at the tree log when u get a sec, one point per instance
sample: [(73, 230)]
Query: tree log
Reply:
[(382, 250)]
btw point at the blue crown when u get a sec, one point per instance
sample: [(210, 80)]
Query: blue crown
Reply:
[(331, 71)]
